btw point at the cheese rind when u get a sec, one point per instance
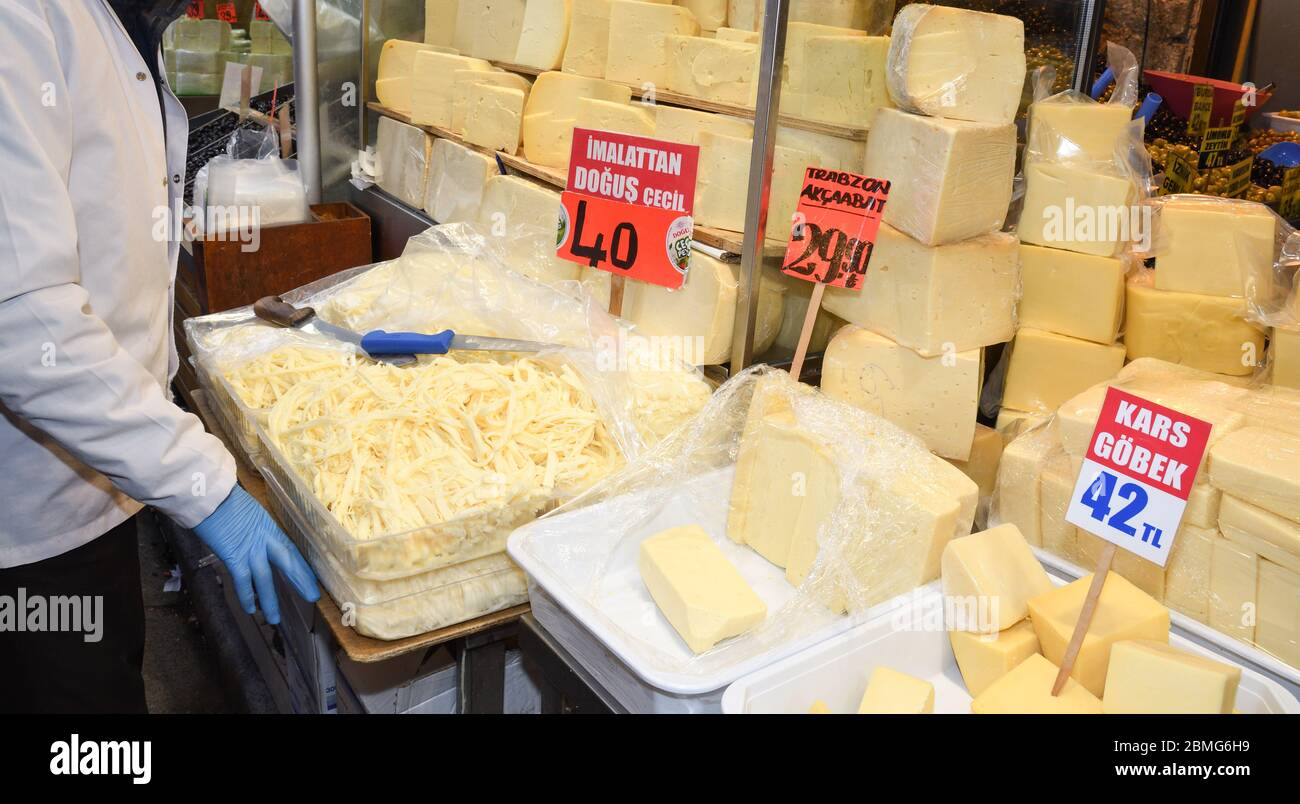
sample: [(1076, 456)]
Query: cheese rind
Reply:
[(996, 568), (1215, 247), (934, 398), (1209, 333), (890, 692), (697, 589), (1147, 677), (984, 658), (639, 52), (1071, 294), (1047, 369), (1076, 208), (1123, 612), (935, 299), (1261, 467), (494, 117), (950, 179), (1027, 690), (950, 62)]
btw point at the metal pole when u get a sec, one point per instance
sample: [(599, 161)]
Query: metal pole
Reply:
[(766, 113), (307, 96), (1086, 41)]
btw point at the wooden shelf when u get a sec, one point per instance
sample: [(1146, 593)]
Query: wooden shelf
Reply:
[(723, 239), (703, 105)]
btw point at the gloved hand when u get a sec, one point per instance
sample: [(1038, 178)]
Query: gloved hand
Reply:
[(249, 542)]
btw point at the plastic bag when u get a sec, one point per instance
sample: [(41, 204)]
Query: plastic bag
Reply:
[(877, 509), (249, 186)]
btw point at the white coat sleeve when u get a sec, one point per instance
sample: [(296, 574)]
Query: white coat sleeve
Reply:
[(61, 369)]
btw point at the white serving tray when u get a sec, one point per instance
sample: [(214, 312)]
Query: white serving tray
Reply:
[(590, 573), (1181, 622), (836, 670)]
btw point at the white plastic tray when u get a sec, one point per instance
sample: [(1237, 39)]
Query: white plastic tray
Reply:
[(590, 572), (836, 670), (1181, 622)]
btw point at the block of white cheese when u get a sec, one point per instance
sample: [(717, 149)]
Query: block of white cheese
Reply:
[(934, 398), (950, 62), (543, 34), (552, 110), (1068, 128), (397, 70), (746, 15), (950, 179), (701, 594), (1234, 581), (982, 465), (1123, 612), (798, 79), (1261, 467), (935, 299), (1071, 294), (1147, 677), (736, 35), (639, 53), (1084, 209), (1215, 246), (1278, 627), (1203, 505), (1209, 333), (433, 88), (984, 658), (723, 178), (798, 296), (992, 572), (702, 310), (844, 80), (402, 156), (1273, 537), (1047, 369), (1027, 690), (675, 124), (712, 69), (835, 153), (494, 116), (625, 118), (464, 80), (890, 692), (440, 22), (1187, 575), (710, 14), (588, 40), (457, 179), (528, 215), (1285, 352), (200, 34), (492, 28), (1056, 485)]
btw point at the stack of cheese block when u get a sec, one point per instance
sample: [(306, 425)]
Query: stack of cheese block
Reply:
[(1235, 563), (943, 280), (194, 54), (271, 52), (1072, 304), (1010, 656), (1211, 253)]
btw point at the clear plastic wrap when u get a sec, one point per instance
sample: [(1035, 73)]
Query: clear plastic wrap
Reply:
[(866, 510), (951, 62), (402, 160), (1242, 522), (249, 186)]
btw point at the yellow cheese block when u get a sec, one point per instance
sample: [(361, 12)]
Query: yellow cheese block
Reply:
[(1057, 484), (993, 571), (724, 175), (1145, 575), (1153, 678), (464, 80), (1273, 537), (439, 22), (624, 118), (710, 14), (951, 179), (934, 398), (1285, 350), (1203, 505), (552, 110), (1261, 467), (1066, 128), (1214, 247), (527, 214), (543, 34), (433, 87), (1077, 208), (397, 69), (1011, 423), (675, 124), (935, 299), (493, 117), (697, 589), (890, 692), (493, 28), (1017, 499), (844, 81), (1204, 332), (797, 77), (1187, 575), (639, 51), (1047, 369), (458, 177), (587, 47), (835, 153), (982, 466), (1027, 690), (797, 297), (984, 658), (1234, 581), (1123, 612), (712, 69), (1278, 628), (1071, 294), (736, 35)]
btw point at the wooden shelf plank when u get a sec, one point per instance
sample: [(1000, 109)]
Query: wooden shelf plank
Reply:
[(726, 240)]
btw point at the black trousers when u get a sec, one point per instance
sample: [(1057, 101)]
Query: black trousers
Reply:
[(61, 671)]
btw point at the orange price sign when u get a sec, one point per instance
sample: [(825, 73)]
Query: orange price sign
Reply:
[(227, 12), (195, 10), (835, 227)]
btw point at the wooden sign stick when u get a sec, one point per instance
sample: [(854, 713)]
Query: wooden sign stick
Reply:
[(1085, 617), (286, 133), (809, 321), (616, 285)]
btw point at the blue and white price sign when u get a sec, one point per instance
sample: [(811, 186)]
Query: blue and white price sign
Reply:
[(1138, 472)]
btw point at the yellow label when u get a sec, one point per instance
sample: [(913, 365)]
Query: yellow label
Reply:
[(1180, 173), (1290, 200), (1238, 114), (1202, 107), (1239, 178)]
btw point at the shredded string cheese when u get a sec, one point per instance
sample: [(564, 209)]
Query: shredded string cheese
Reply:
[(261, 381)]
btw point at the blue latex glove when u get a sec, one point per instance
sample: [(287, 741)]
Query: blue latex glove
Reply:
[(249, 542)]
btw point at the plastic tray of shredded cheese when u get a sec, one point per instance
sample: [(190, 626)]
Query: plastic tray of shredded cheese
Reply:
[(407, 606), (238, 420)]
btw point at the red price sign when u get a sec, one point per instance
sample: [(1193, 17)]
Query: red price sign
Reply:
[(227, 12), (835, 227), (1137, 475), (195, 10), (259, 13), (627, 209)]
